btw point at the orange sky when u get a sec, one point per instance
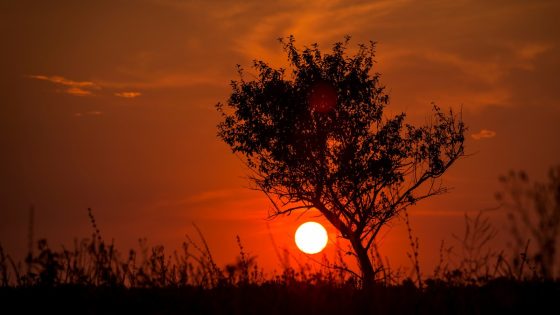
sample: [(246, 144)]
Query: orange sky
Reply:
[(109, 105)]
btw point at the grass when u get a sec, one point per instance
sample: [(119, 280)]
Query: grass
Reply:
[(92, 262), (94, 277)]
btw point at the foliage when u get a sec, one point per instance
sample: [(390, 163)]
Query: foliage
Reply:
[(317, 137)]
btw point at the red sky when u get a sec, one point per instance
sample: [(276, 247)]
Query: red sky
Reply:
[(110, 105)]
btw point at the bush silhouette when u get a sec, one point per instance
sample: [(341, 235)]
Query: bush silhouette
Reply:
[(534, 214)]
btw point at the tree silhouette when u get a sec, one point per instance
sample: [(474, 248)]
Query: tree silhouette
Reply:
[(316, 137)]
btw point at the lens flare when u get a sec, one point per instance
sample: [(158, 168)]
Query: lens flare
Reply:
[(322, 97)]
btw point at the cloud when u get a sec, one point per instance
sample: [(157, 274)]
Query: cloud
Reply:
[(529, 52), (76, 88), (63, 81), (483, 134), (463, 69), (128, 94), (146, 80), (78, 91), (170, 80), (208, 196), (84, 88), (439, 213), (90, 113), (309, 22)]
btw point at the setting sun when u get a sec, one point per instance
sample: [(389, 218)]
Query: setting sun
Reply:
[(311, 237)]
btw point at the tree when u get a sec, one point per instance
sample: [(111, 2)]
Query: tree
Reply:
[(317, 138)]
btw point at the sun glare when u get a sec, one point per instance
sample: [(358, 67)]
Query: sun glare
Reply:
[(311, 237)]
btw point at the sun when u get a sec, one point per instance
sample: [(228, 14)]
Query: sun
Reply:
[(311, 237)]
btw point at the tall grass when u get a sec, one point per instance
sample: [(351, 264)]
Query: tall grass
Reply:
[(93, 277), (94, 262)]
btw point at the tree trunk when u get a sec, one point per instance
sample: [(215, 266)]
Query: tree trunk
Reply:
[(366, 268)]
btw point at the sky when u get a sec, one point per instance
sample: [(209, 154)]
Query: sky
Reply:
[(110, 105)]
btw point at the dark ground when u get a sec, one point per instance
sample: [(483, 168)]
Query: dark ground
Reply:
[(498, 297)]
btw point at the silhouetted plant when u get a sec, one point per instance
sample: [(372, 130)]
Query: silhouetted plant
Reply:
[(4, 278), (534, 216), (415, 251), (475, 260), (88, 265), (317, 137), (478, 262), (245, 270)]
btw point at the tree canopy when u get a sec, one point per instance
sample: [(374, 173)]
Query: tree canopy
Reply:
[(315, 136)]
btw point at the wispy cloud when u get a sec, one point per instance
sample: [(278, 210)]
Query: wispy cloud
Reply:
[(473, 71), (128, 94), (147, 80), (483, 134), (309, 21), (63, 81), (76, 88), (85, 88), (208, 196), (439, 213), (241, 204), (78, 91), (90, 113)]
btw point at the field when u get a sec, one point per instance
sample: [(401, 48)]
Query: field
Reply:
[(95, 278)]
